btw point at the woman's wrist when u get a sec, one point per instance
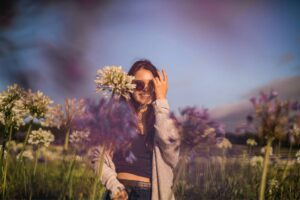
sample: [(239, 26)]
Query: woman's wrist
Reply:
[(161, 103)]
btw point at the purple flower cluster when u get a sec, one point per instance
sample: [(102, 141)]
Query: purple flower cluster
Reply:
[(294, 121), (295, 106), (273, 115), (111, 123), (196, 128)]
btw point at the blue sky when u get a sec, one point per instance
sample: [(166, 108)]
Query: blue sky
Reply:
[(214, 52)]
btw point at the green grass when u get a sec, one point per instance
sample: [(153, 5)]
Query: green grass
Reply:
[(205, 177)]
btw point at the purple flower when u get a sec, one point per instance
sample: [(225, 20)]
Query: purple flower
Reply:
[(263, 97), (273, 94), (253, 101), (271, 116), (197, 128), (112, 123), (295, 106)]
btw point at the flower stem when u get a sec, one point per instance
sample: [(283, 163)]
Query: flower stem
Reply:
[(265, 170), (6, 166), (36, 160), (68, 183), (66, 145), (99, 173), (26, 140), (286, 163), (181, 167)]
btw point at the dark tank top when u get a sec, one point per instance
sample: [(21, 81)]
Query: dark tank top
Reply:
[(136, 160)]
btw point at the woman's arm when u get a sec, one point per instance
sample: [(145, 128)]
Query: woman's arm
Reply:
[(109, 175), (167, 134)]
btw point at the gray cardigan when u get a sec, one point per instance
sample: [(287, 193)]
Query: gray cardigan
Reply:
[(164, 159)]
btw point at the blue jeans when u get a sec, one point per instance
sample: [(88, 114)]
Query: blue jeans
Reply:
[(135, 193)]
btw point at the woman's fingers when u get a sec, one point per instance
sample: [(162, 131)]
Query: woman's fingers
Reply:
[(122, 195), (160, 75), (156, 80), (165, 75)]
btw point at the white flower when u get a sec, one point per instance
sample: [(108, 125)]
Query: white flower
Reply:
[(12, 110), (263, 150), (114, 79), (256, 161), (41, 138), (54, 116), (19, 112), (37, 104), (251, 142), (295, 130), (79, 137), (12, 146), (298, 157), (50, 155), (273, 184), (5, 152), (59, 115), (223, 143), (78, 158), (26, 154)]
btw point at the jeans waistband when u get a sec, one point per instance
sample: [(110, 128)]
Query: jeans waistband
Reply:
[(137, 184)]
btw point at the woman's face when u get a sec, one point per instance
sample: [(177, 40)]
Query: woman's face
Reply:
[(145, 96)]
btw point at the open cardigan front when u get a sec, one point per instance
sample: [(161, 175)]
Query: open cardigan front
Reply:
[(164, 159)]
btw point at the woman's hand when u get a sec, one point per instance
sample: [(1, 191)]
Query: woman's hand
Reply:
[(161, 85), (122, 195)]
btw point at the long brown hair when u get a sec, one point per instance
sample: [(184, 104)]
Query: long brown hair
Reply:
[(150, 115)]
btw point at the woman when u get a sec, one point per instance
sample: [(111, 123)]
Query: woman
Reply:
[(156, 149)]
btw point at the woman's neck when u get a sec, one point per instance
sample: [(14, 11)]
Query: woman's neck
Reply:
[(142, 110)]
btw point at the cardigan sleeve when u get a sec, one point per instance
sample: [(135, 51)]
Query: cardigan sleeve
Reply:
[(109, 176), (167, 134)]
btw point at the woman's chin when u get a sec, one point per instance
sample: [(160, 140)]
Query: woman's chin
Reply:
[(144, 101)]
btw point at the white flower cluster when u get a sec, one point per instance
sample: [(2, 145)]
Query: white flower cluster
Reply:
[(12, 110), (273, 185), (295, 130), (27, 154), (256, 161), (41, 138), (223, 143), (53, 118), (73, 108), (50, 155), (114, 79), (263, 150), (59, 115), (298, 157), (251, 142), (38, 104), (79, 137)]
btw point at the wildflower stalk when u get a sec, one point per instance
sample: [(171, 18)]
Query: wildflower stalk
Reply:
[(36, 160), (66, 144), (26, 139), (181, 167), (69, 178), (265, 170), (6, 165), (223, 165), (99, 173), (286, 163)]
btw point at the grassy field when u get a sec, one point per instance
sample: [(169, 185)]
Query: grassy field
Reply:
[(211, 175)]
